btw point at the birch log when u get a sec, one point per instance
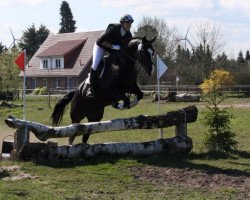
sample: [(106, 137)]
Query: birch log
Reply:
[(42, 132), (50, 151)]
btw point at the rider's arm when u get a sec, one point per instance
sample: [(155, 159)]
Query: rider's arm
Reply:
[(106, 44), (108, 36)]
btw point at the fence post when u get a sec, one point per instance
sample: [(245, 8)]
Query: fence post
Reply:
[(19, 139), (181, 128)]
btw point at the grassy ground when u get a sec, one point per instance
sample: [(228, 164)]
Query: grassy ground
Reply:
[(199, 175)]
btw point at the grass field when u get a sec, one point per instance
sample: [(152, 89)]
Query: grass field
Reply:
[(199, 175)]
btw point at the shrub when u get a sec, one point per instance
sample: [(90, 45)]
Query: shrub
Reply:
[(36, 91), (7, 95), (43, 91)]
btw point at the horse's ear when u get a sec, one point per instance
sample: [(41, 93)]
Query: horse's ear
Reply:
[(151, 41)]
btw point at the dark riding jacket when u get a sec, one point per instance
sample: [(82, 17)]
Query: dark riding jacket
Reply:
[(113, 36)]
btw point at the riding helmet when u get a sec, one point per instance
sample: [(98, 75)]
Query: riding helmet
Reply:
[(127, 18)]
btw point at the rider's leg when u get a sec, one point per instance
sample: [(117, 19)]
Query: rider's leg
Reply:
[(98, 54)]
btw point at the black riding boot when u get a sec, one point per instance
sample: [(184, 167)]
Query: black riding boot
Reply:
[(93, 84)]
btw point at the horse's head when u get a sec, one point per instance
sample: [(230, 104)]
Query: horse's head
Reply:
[(145, 53)]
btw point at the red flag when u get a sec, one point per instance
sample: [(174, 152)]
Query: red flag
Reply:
[(20, 61)]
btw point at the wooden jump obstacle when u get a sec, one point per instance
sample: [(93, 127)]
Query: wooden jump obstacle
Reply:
[(181, 143)]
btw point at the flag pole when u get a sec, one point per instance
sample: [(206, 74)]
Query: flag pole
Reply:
[(24, 98), (24, 92), (158, 94), (21, 63)]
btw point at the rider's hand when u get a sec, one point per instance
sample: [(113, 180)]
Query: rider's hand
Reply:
[(116, 47)]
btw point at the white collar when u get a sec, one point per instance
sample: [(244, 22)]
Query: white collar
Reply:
[(123, 32)]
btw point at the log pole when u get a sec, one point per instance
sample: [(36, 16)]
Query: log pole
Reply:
[(50, 151), (180, 144), (174, 118)]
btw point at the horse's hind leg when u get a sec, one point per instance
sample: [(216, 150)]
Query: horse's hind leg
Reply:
[(75, 120), (76, 115), (93, 116)]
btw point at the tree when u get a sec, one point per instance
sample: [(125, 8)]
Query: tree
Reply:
[(220, 136), (8, 69), (240, 58), (32, 39), (247, 58), (67, 22), (2, 47), (209, 35), (155, 27), (42, 33)]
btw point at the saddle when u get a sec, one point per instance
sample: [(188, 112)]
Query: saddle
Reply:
[(107, 83), (105, 63)]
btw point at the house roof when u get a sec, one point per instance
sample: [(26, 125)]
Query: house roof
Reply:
[(61, 48), (74, 40)]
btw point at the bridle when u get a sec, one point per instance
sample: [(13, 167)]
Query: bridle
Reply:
[(138, 55)]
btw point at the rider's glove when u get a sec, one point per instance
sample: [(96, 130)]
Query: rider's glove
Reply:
[(116, 47)]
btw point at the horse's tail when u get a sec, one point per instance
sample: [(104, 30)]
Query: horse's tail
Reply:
[(60, 107)]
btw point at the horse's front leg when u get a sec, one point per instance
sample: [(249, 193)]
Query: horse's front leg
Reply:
[(126, 102), (139, 95), (137, 91)]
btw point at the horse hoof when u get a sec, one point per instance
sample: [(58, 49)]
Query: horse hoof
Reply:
[(115, 105), (126, 105), (140, 96)]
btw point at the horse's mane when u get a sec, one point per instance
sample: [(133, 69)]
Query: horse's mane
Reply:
[(134, 41)]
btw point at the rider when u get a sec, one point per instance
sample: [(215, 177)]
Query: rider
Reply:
[(111, 40)]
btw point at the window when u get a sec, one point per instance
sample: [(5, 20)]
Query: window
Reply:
[(33, 83), (45, 64), (45, 82), (58, 63), (57, 82)]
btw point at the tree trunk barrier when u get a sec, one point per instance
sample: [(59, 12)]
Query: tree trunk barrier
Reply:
[(180, 144)]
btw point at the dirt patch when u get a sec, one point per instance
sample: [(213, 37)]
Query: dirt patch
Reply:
[(13, 173), (193, 178)]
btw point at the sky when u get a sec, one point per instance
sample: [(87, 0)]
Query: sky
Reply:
[(232, 15)]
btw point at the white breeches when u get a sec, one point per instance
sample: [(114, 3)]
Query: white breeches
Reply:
[(98, 53)]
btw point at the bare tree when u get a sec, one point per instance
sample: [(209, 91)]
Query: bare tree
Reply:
[(157, 27), (209, 35), (164, 44)]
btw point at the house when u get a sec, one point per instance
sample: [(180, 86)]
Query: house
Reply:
[(62, 62)]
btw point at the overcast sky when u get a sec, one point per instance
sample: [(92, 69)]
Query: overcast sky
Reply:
[(232, 15)]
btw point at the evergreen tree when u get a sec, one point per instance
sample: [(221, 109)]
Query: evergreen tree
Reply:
[(219, 136), (240, 58), (222, 62), (32, 39), (2, 47), (67, 22), (42, 34), (247, 58)]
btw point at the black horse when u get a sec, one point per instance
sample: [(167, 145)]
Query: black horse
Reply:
[(116, 79)]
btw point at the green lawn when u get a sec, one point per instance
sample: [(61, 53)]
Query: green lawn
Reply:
[(199, 175)]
